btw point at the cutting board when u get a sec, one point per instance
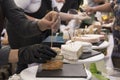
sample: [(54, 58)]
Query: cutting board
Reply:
[(68, 71)]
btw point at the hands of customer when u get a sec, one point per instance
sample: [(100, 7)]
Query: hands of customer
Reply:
[(81, 16), (90, 10), (50, 21), (37, 53)]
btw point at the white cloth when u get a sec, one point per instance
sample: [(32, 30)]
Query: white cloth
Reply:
[(29, 6)]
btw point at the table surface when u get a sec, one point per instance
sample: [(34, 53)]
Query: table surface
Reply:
[(30, 74), (88, 60)]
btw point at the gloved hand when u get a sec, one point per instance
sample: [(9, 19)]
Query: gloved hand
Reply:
[(90, 10), (37, 53)]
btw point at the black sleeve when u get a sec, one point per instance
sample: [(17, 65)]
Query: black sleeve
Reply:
[(4, 55), (75, 5), (16, 16)]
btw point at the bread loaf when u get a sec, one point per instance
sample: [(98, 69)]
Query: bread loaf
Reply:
[(52, 65)]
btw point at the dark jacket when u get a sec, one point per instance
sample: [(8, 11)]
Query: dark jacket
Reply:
[(1, 20), (20, 35), (17, 37), (70, 4), (16, 17), (4, 52), (20, 30)]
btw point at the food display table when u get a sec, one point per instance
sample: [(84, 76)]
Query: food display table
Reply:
[(30, 74)]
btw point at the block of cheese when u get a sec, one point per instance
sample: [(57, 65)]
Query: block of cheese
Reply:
[(71, 51), (100, 36), (91, 39), (87, 47)]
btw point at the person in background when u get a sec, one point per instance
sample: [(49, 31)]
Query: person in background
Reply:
[(96, 16), (33, 53), (115, 8), (92, 3), (66, 5), (35, 10)]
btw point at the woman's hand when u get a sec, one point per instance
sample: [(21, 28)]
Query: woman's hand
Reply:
[(90, 10), (50, 21)]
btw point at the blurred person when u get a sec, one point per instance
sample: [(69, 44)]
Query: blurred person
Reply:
[(19, 36), (66, 5), (32, 53), (115, 8), (95, 2), (35, 10)]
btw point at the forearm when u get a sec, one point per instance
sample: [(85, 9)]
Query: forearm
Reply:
[(65, 16), (21, 24), (4, 55), (103, 8), (13, 56), (31, 18)]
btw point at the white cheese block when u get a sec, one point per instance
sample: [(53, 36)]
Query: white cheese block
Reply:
[(71, 51), (87, 47), (96, 35), (91, 39)]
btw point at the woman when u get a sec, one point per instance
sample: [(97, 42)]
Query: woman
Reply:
[(27, 28), (16, 40), (65, 5), (8, 9), (95, 2), (115, 8)]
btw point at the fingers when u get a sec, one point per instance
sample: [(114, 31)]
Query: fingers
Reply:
[(40, 60), (90, 10), (50, 21), (51, 16), (45, 50), (46, 57), (44, 24), (49, 53), (52, 51), (54, 16), (56, 25)]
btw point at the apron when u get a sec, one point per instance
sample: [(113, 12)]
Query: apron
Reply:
[(43, 10)]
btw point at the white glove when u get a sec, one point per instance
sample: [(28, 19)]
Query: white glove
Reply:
[(82, 16)]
